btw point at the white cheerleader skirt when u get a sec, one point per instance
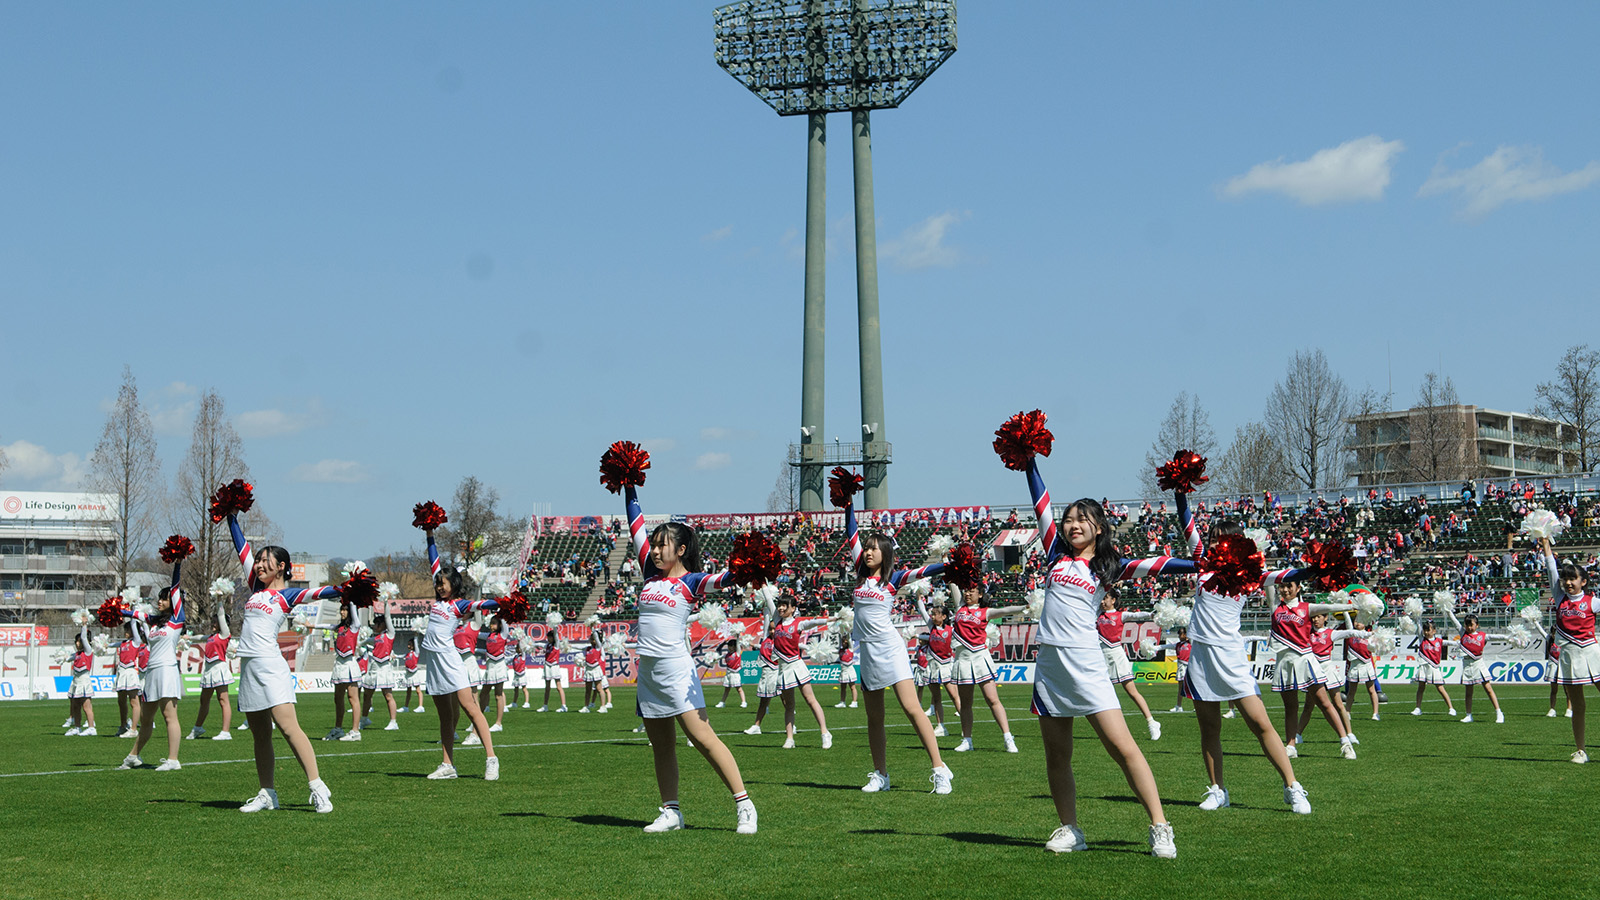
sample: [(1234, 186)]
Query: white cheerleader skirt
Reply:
[(847, 673), (732, 678), (884, 663), (793, 674), (162, 682), (82, 686), (598, 673), (385, 674), (1218, 674), (346, 671), (972, 666), (552, 674), (129, 679), (1118, 666), (1072, 681), (1295, 671), (767, 686), (217, 674), (1428, 673), (264, 682), (1183, 680), (1360, 671), (919, 676), (941, 671), (668, 687), (445, 673), (469, 664), (1332, 673), (1475, 671), (416, 678), (495, 673), (1578, 665)]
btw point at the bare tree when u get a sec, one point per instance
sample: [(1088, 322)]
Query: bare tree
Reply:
[(785, 495), (1438, 439), (476, 530), (1252, 463), (125, 465), (216, 457), (1574, 399), (1187, 426), (1371, 435), (1306, 414)]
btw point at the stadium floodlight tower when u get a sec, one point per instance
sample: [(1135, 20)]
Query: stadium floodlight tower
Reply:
[(813, 57)]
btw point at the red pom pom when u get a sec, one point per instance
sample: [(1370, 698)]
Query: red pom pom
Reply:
[(963, 569), (514, 607), (754, 559), (428, 516), (109, 614), (1186, 472), (360, 589), (623, 465), (1235, 565), (1021, 438), (176, 549), (230, 499), (1333, 563), (842, 485)]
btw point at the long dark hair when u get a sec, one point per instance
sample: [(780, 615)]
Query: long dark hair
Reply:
[(1106, 564), (1570, 569), (278, 553), (452, 577), (688, 544), (885, 545)]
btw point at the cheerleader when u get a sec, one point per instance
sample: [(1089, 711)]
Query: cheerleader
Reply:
[(80, 694), (920, 671), (669, 683), (847, 676), (1552, 661), (129, 681), (1181, 650), (163, 683), (883, 651), (936, 654), (266, 686), (1072, 679), (381, 674), (1110, 625), (596, 686), (767, 683), (215, 676), (1429, 670), (346, 675), (552, 671), (733, 675), (416, 679), (446, 667), (1474, 671), (1574, 633), (793, 674), (494, 675), (1360, 668), (974, 667), (1323, 637), (1297, 668), (519, 674)]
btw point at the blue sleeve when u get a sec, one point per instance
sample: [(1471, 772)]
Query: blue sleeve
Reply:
[(242, 547), (1043, 515), (904, 575), (433, 555)]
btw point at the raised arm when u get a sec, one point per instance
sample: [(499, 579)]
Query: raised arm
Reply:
[(222, 617), (433, 554), (1190, 532), (1330, 608), (641, 540), (83, 635), (1279, 576), (852, 538), (1002, 611), (1156, 565), (1549, 554), (1138, 616), (1454, 623), (1043, 515), (388, 621), (242, 546)]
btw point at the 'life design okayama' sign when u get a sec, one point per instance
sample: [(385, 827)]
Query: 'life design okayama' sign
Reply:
[(60, 507)]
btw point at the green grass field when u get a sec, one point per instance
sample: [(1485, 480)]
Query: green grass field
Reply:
[(1433, 808)]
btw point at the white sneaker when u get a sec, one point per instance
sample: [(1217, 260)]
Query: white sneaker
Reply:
[(266, 798), (1569, 712), (839, 705), (827, 740), (1375, 718), (1216, 798), (584, 709), (245, 726), (562, 709), (444, 772), (876, 781), (604, 709), (852, 704), (472, 740), (526, 705), (321, 800), (1298, 739), (404, 709), (1499, 717), (639, 730), (1347, 750), (1416, 711), (333, 734), (1011, 742), (222, 736), (1466, 718), (1176, 709), (964, 746), (131, 762), (941, 778), (419, 709), (392, 726), (543, 709), (1452, 710), (73, 732), (753, 729), (496, 728), (1354, 739), (88, 732), (669, 820), (1552, 713), (928, 711), (720, 704), (746, 812), (1580, 757), (1292, 750), (352, 736), (169, 765), (67, 723), (1066, 839), (938, 731), (1229, 714), (1295, 796), (195, 732), (788, 742), (745, 703), (124, 731), (1161, 843), (491, 769), (1155, 729)]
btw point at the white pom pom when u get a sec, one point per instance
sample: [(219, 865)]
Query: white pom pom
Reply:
[(909, 631), (496, 589), (518, 633), (1542, 523), (767, 594), (940, 544), (1413, 607), (615, 643), (388, 590), (711, 616), (1520, 635), (1381, 642), (1406, 625), (365, 634), (823, 650), (1035, 603), (144, 609), (222, 587), (1443, 600), (1260, 537), (553, 618), (81, 617), (747, 641), (233, 649), (354, 567), (1531, 613), (1146, 648), (1369, 607), (593, 620), (564, 645), (993, 635), (847, 619), (911, 590), (101, 644), (62, 655), (184, 644)]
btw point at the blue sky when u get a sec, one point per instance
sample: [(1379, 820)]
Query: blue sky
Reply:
[(413, 242)]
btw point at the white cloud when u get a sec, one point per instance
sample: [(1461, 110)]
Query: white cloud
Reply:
[(1354, 170), (718, 433), (658, 444), (709, 461), (265, 423), (1508, 175), (36, 467), (711, 237), (922, 245), (172, 409), (330, 471)]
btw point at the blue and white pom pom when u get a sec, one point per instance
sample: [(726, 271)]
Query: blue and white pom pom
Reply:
[(1542, 523)]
